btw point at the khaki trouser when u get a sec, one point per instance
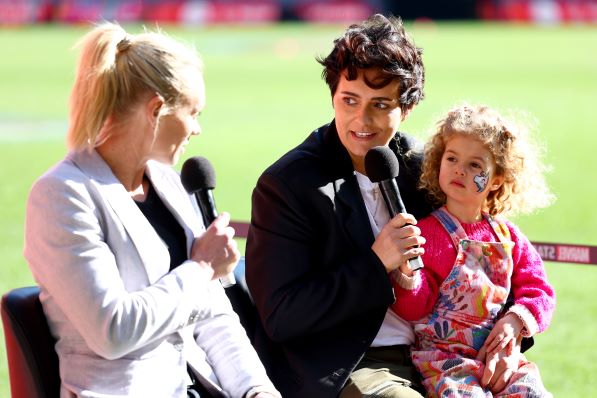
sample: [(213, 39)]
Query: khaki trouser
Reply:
[(384, 372)]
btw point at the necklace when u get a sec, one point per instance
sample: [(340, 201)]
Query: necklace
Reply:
[(371, 193), (375, 195)]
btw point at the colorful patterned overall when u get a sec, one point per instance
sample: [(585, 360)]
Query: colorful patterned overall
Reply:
[(469, 301)]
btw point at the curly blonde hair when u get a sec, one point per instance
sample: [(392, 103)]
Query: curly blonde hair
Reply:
[(517, 159)]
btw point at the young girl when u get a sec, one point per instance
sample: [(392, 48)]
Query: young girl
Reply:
[(478, 166)]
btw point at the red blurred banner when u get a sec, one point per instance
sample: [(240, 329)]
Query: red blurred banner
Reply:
[(564, 253), (17, 12), (554, 252), (539, 11)]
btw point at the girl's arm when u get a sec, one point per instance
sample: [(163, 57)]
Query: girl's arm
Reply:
[(416, 296), (534, 297)]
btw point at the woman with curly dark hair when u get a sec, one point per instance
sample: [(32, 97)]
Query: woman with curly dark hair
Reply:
[(322, 248)]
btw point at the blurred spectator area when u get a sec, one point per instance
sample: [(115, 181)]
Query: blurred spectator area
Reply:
[(539, 11), (186, 11), (15, 12)]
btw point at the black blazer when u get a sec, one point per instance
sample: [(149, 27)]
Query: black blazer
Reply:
[(320, 290)]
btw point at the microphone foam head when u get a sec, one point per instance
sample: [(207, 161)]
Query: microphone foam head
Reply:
[(196, 174), (381, 164)]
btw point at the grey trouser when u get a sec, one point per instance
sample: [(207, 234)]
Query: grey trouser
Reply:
[(385, 372)]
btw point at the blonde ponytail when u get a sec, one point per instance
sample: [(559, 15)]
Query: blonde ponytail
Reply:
[(116, 69)]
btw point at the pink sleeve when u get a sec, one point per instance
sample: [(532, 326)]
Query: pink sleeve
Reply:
[(533, 295), (415, 297)]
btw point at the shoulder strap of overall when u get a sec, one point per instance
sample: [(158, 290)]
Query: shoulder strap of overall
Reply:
[(451, 225), (499, 227)]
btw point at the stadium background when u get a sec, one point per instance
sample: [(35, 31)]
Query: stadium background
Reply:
[(260, 71), (13, 12)]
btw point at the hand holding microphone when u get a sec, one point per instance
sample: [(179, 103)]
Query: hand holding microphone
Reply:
[(216, 246), (382, 167)]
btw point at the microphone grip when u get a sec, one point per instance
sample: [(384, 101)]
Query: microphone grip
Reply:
[(415, 263), (207, 205), (391, 195)]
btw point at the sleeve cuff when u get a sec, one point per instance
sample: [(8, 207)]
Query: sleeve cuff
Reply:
[(253, 391), (193, 281), (193, 269), (407, 282), (531, 327)]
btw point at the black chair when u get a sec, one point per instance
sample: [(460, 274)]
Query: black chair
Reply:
[(32, 360)]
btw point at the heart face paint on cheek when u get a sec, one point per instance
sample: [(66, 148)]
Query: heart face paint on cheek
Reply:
[(481, 181)]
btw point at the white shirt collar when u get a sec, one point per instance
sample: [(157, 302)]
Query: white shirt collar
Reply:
[(376, 208)]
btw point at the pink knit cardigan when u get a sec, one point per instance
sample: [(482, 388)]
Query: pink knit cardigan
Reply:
[(534, 297)]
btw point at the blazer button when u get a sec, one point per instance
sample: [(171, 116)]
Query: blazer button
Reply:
[(194, 317)]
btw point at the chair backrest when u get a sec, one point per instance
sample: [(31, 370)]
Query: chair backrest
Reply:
[(32, 360)]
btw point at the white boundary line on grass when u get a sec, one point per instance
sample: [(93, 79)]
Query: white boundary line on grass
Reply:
[(20, 130)]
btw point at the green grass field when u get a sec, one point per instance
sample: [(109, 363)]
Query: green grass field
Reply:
[(265, 95)]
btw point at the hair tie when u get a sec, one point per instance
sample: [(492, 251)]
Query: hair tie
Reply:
[(124, 44)]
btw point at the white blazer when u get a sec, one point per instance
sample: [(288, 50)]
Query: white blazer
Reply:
[(125, 326)]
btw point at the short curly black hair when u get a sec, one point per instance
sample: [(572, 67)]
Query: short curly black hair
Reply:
[(379, 42)]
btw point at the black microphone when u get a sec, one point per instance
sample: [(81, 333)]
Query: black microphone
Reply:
[(198, 177), (382, 167)]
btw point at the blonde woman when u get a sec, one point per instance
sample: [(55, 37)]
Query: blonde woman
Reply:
[(478, 166), (128, 272)]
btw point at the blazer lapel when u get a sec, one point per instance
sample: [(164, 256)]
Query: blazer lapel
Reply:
[(351, 210), (150, 247), (344, 190), (177, 201)]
